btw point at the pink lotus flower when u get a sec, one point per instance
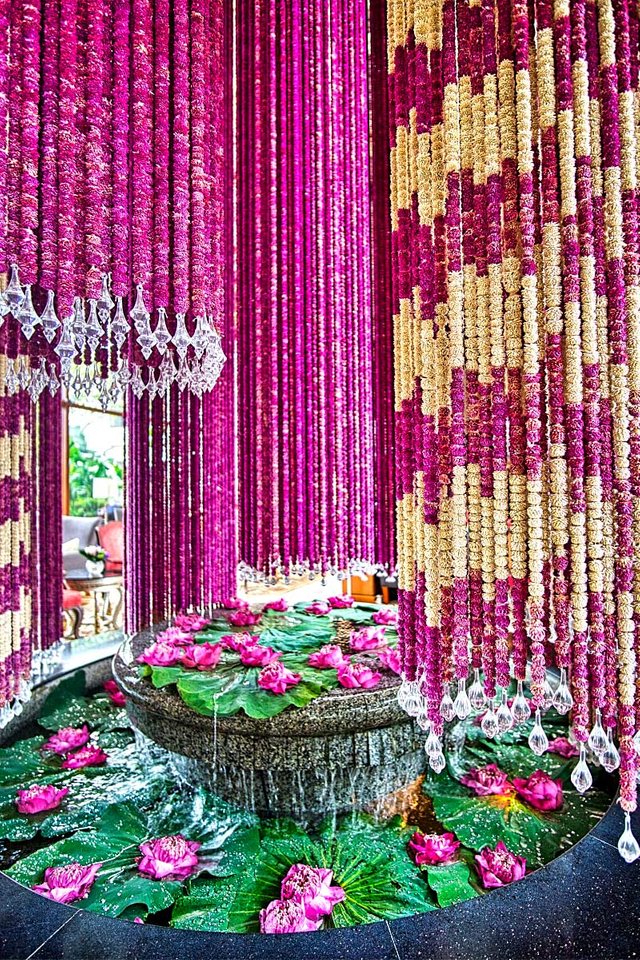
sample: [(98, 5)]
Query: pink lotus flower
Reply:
[(258, 656), (330, 655), (138, 920), (390, 659), (169, 858), (66, 739), (234, 604), (369, 638), (85, 757), (286, 916), (243, 617), (68, 883), (161, 655), (114, 693), (276, 677), (190, 622), (280, 606), (563, 747), (499, 867), (204, 656), (433, 848), (38, 799), (540, 791), (340, 603), (387, 617), (174, 635), (487, 781), (312, 887), (357, 675), (238, 641), (318, 608)]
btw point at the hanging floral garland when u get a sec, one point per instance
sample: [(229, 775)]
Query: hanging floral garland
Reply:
[(524, 379), (107, 239)]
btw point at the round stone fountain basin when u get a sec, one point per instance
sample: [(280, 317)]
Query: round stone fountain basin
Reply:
[(347, 748)]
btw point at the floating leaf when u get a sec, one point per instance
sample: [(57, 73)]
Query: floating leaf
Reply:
[(450, 882), (66, 706)]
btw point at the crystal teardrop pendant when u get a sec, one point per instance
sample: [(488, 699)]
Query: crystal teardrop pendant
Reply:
[(461, 704), (49, 318), (627, 844), (27, 316), (105, 301), (538, 740), (161, 333), (476, 693), (447, 711), (562, 700), (432, 744), (581, 775), (610, 758), (489, 724), (403, 694), (181, 338), (120, 325), (597, 738), (437, 762), (520, 709), (14, 294), (503, 715), (139, 313), (547, 695)]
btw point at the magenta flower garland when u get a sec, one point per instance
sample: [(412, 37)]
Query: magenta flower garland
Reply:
[(514, 148), (130, 163)]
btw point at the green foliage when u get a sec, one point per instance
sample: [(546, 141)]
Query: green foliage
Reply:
[(66, 706), (451, 882), (84, 467)]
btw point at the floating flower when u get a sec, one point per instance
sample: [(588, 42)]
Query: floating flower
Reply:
[(330, 655), (368, 638), (499, 867), (340, 603), (114, 693), (234, 604), (190, 622), (390, 659), (433, 848), (204, 656), (387, 617), (174, 635), (39, 799), (563, 747), (243, 617), (85, 757), (279, 606), (276, 678), (169, 858), (357, 675), (540, 791), (257, 656), (318, 608), (286, 916), (487, 781), (161, 655), (238, 641), (66, 739), (69, 883), (312, 887)]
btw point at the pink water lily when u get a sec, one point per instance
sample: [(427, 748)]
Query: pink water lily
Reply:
[(340, 603), (234, 604), (169, 858), (69, 883), (174, 635), (85, 757), (368, 638), (66, 739), (540, 791), (279, 606), (433, 848), (161, 655), (114, 693), (357, 675), (312, 887), (487, 781), (238, 641), (387, 617), (499, 866), (191, 622), (286, 916), (243, 617), (330, 655), (39, 799), (204, 656), (390, 658), (318, 608), (258, 656), (563, 747), (276, 678)]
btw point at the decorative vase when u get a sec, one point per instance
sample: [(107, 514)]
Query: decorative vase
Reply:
[(95, 568)]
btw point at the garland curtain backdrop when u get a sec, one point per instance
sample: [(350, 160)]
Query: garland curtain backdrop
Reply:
[(515, 143)]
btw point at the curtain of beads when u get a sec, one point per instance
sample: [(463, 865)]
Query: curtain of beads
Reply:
[(515, 145)]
